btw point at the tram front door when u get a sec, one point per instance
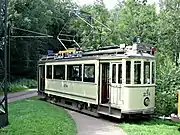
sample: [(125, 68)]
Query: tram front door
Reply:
[(115, 83), (104, 82), (41, 78)]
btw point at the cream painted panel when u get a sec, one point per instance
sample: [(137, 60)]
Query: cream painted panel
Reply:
[(88, 90), (134, 98), (114, 94), (83, 99)]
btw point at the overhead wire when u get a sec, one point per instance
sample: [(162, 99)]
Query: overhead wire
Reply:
[(25, 30)]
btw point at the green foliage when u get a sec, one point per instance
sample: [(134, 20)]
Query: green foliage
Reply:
[(96, 36), (20, 85), (33, 117), (14, 87), (29, 83), (128, 19), (47, 18), (168, 82), (134, 18), (152, 127)]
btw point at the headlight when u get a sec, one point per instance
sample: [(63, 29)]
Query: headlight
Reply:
[(146, 101)]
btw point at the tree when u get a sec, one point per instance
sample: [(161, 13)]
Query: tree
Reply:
[(169, 28), (135, 19), (48, 18), (97, 16)]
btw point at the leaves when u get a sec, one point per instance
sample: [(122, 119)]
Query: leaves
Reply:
[(129, 18)]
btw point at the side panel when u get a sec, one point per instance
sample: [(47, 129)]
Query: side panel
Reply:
[(76, 90), (134, 98), (85, 92)]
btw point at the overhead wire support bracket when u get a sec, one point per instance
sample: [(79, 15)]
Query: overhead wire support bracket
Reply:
[(61, 42), (83, 20), (76, 11)]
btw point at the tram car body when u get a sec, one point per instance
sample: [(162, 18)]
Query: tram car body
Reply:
[(110, 81)]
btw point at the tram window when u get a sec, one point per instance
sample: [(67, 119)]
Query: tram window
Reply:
[(89, 73), (49, 72), (74, 72), (114, 73), (59, 72), (147, 72), (153, 72), (137, 72), (128, 72), (120, 73)]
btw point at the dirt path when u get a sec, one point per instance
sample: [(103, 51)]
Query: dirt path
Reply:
[(87, 125)]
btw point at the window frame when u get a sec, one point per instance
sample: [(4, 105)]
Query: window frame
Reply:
[(83, 78), (131, 73), (67, 71), (137, 62), (116, 80), (64, 76), (149, 73), (153, 72), (120, 81), (48, 72), (142, 72)]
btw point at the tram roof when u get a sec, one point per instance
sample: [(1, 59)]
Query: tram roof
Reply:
[(107, 53), (103, 57)]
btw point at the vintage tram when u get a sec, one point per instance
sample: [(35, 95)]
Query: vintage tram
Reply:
[(113, 80)]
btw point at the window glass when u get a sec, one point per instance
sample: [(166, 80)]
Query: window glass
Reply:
[(74, 72), (153, 72), (137, 72), (147, 72), (59, 72), (89, 73), (128, 72), (49, 72), (120, 73), (114, 73)]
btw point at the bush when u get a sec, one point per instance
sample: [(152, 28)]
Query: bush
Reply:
[(168, 82), (29, 83), (16, 87), (21, 84)]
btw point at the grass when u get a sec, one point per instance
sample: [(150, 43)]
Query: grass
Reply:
[(152, 127), (34, 117)]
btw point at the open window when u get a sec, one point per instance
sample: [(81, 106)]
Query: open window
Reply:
[(74, 72)]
